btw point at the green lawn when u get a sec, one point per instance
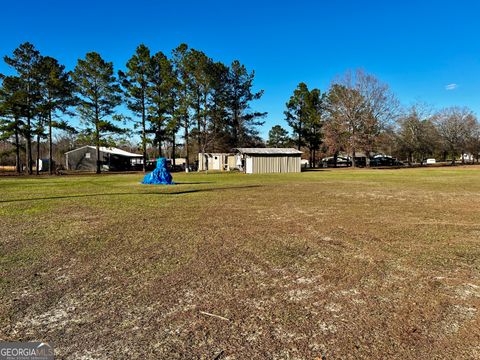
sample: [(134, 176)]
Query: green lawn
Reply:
[(351, 264)]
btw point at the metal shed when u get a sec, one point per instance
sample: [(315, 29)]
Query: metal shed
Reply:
[(112, 159), (268, 160), (216, 161)]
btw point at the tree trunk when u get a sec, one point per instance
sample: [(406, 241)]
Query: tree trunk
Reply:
[(18, 165), (97, 139), (335, 159), (37, 162), (299, 145), (144, 140), (50, 144), (28, 134), (235, 128), (199, 124), (354, 163), (99, 169), (173, 148), (28, 147), (187, 163)]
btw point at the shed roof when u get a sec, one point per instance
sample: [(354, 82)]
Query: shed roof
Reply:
[(269, 151), (109, 150)]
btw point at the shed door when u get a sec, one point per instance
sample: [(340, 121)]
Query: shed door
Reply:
[(249, 165), (216, 162)]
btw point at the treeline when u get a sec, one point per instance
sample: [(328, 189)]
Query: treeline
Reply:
[(187, 95), (359, 113), (186, 103)]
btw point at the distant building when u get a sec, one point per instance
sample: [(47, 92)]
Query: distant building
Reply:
[(268, 160), (305, 163), (112, 159), (216, 161)]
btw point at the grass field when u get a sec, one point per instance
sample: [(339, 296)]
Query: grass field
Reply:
[(366, 264)]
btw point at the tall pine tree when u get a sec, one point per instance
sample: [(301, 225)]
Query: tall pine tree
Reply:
[(25, 61), (57, 97), (180, 61), (11, 113), (243, 121), (135, 84), (99, 94), (161, 96)]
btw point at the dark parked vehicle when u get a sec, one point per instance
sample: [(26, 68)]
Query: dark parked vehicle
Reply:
[(341, 161), (385, 161)]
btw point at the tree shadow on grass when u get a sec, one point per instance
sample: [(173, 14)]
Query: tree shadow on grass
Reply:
[(317, 169), (193, 183), (173, 193)]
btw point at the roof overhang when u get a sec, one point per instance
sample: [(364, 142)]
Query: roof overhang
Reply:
[(269, 151)]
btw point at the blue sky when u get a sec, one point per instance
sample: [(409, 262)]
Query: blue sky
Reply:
[(418, 47)]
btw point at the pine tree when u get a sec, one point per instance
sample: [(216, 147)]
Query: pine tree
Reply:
[(217, 131), (57, 97), (296, 114), (136, 88), (304, 114), (278, 137), (314, 123), (25, 61), (180, 61), (99, 93), (243, 122), (11, 113), (161, 98), (199, 89)]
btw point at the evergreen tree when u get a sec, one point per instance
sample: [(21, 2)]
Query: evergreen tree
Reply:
[(217, 133), (243, 122), (199, 82), (57, 96), (296, 113), (278, 137), (304, 114), (99, 94), (135, 84), (180, 61), (11, 113), (25, 61), (314, 123), (161, 98)]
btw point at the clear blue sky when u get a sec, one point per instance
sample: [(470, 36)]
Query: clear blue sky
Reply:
[(418, 48)]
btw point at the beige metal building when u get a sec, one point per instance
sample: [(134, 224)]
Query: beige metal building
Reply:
[(216, 161), (268, 160)]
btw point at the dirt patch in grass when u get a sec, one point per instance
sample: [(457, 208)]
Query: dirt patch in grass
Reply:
[(343, 264)]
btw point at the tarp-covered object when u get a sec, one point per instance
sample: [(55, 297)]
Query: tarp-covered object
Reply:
[(160, 175)]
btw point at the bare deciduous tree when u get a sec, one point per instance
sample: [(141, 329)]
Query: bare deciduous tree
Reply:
[(362, 106), (454, 125), (416, 134)]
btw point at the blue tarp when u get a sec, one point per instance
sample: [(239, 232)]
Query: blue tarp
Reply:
[(159, 176)]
